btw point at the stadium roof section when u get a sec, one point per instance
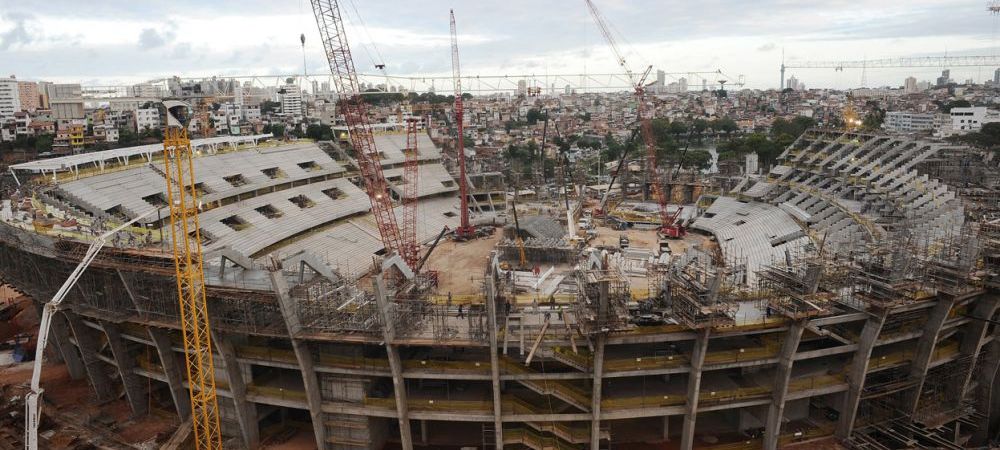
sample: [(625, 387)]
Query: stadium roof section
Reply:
[(122, 155)]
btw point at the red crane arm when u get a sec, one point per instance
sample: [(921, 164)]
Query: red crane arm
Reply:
[(338, 53)]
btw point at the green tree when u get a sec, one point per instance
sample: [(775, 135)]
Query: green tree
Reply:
[(267, 107), (534, 116), (697, 160), (319, 132), (961, 103), (43, 143), (127, 137)]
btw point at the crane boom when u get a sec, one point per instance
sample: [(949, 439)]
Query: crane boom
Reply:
[(667, 222), (355, 110), (410, 193), (464, 229), (32, 405), (185, 235)]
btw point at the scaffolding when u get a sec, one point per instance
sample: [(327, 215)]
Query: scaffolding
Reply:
[(702, 294), (791, 288), (602, 300)]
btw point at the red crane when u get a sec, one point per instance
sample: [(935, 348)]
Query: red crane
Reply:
[(465, 230), (338, 53), (669, 225), (410, 247)]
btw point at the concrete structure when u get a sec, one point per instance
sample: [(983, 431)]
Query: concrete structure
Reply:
[(798, 310), (65, 101)]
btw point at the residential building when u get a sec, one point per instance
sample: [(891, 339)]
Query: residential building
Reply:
[(908, 122), (910, 85), (291, 101), (970, 119), (28, 94), (10, 101), (147, 119)]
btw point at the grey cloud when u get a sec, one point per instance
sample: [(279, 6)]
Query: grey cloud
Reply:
[(766, 47), (150, 38), (17, 35)]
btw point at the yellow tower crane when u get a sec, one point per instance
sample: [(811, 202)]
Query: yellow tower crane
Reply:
[(185, 236)]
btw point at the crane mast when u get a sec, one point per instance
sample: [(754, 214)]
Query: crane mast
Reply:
[(668, 225), (465, 230), (410, 167), (185, 236), (355, 110)]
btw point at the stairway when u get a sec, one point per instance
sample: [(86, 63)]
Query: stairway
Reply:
[(561, 389)]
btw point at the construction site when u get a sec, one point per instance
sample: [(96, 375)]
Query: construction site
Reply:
[(368, 293)]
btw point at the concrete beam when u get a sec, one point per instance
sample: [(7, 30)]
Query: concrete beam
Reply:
[(87, 342), (925, 351), (491, 310), (172, 370), (693, 389), (301, 349), (60, 335), (776, 410), (135, 390), (595, 401), (857, 374), (246, 412)]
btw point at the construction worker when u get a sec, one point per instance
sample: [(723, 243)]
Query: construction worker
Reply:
[(461, 313)]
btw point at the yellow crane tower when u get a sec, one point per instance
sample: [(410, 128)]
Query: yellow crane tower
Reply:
[(186, 239)]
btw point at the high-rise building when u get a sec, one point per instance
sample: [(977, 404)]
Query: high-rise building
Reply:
[(325, 87), (28, 94), (291, 101), (522, 87), (10, 101), (996, 77), (794, 84), (315, 87), (910, 85), (568, 89), (945, 78)]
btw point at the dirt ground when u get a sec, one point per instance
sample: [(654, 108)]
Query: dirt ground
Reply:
[(74, 399), (458, 263)]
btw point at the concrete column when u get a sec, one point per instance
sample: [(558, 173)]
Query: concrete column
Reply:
[(973, 337), (858, 371), (595, 398), (60, 335), (135, 388), (491, 310), (988, 403), (87, 342), (301, 349), (246, 411), (776, 411), (666, 428), (398, 383), (172, 369), (925, 350), (693, 389)]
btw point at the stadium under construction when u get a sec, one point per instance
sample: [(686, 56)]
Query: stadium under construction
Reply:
[(849, 295)]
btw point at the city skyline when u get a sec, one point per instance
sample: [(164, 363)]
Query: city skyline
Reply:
[(116, 43)]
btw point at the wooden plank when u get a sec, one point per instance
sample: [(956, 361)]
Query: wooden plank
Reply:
[(538, 340)]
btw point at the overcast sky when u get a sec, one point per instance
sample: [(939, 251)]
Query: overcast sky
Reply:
[(123, 41)]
